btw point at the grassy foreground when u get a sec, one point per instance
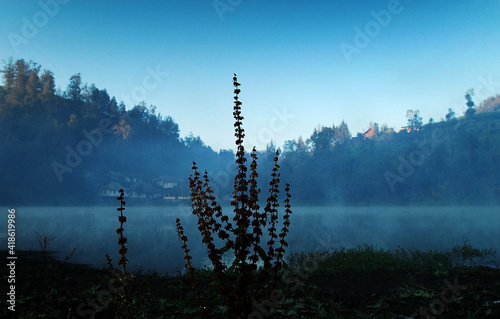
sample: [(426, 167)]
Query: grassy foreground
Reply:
[(363, 282)]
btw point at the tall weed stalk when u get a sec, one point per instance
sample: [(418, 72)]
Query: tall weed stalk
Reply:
[(121, 299)]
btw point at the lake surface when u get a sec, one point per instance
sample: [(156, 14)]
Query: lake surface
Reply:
[(153, 242)]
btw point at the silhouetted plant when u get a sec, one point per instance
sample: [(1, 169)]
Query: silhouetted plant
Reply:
[(243, 282), (121, 299), (189, 265), (44, 243)]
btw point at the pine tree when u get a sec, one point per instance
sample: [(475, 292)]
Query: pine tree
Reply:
[(18, 90), (48, 86), (33, 87), (342, 133), (74, 90)]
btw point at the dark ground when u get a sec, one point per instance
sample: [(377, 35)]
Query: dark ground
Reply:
[(46, 288)]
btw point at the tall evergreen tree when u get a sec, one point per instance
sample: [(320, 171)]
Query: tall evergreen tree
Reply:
[(18, 91), (33, 87), (342, 134), (74, 89), (48, 86), (301, 145)]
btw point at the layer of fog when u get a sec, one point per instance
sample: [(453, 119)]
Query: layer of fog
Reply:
[(153, 242)]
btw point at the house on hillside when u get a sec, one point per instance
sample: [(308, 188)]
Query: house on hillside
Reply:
[(163, 188), (371, 132), (177, 191), (173, 188), (111, 190), (167, 182), (408, 129), (144, 190), (135, 190)]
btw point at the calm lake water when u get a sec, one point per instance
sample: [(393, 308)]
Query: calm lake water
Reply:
[(153, 242)]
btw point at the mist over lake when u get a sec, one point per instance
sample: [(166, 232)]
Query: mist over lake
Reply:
[(153, 243)]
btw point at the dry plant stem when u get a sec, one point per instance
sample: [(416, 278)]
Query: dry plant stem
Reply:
[(122, 241), (242, 211), (189, 265), (122, 298), (44, 243)]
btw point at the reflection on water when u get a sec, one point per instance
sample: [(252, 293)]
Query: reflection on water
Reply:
[(153, 243)]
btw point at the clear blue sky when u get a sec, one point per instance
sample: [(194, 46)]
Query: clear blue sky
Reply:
[(288, 56)]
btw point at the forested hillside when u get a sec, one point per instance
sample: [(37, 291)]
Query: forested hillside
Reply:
[(455, 161), (61, 148)]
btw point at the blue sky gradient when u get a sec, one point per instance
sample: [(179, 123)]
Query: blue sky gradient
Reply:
[(287, 54)]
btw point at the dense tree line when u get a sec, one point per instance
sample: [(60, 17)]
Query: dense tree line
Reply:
[(57, 147), (452, 161)]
